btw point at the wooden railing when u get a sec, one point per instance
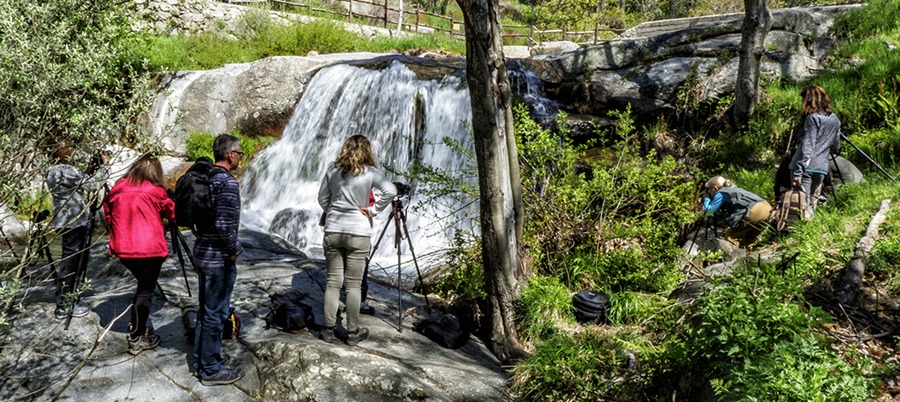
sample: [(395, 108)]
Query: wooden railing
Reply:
[(534, 35)]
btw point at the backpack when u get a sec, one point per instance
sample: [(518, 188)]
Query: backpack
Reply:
[(232, 326), (193, 202), (446, 331), (591, 306), (792, 208), (288, 314)]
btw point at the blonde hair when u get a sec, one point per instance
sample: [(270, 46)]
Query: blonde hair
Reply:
[(719, 181), (355, 156), (146, 168)]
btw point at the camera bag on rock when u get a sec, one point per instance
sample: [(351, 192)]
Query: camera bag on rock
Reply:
[(446, 331), (288, 314), (591, 306), (231, 326)]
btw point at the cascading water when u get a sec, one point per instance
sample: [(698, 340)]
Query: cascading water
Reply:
[(404, 117)]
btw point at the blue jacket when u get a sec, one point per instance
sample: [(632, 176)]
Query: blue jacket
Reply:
[(220, 241), (731, 204)]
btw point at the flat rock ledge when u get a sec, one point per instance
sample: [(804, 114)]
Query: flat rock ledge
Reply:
[(38, 355)]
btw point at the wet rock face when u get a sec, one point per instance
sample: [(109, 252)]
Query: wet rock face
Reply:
[(281, 366), (288, 224)]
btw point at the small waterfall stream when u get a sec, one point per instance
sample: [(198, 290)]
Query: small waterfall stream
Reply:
[(404, 117)]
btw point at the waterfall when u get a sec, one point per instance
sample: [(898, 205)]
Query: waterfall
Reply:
[(406, 119)]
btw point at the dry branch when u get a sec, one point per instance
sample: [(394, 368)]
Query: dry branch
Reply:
[(857, 266)]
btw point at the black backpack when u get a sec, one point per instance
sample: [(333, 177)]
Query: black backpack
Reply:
[(288, 314), (591, 306), (193, 202), (446, 331)]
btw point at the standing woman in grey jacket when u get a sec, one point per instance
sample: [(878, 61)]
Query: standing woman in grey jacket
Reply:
[(344, 195), (821, 136)]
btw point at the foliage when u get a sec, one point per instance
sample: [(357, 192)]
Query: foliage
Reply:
[(200, 144), (67, 79), (752, 338), (258, 40), (605, 224), (572, 367), (466, 277), (862, 23), (544, 304)]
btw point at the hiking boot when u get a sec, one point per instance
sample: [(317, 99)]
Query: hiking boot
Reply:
[(327, 335), (356, 337), (142, 343), (227, 361), (226, 375), (78, 311), (366, 308)]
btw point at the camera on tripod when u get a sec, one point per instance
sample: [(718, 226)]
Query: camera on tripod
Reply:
[(402, 189)]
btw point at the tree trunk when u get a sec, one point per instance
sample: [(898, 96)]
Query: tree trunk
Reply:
[(857, 266), (757, 22), (498, 173)]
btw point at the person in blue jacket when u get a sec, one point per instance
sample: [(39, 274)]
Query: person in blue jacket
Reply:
[(740, 210), (821, 136)]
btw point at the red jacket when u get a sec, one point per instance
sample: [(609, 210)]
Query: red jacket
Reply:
[(134, 213)]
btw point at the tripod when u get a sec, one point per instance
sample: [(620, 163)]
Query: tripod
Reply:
[(398, 214), (178, 243)]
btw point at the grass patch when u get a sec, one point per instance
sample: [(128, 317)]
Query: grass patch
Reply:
[(200, 144)]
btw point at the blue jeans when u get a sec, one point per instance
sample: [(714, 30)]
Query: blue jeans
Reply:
[(216, 285)]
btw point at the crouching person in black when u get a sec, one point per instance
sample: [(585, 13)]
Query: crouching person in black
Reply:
[(215, 252)]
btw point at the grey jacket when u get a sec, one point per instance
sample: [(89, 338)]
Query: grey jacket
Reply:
[(69, 188), (821, 135), (736, 204)]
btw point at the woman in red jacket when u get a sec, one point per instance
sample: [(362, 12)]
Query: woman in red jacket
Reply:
[(135, 208)]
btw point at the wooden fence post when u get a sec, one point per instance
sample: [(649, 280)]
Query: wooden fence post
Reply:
[(308, 7), (417, 19), (451, 23), (385, 12), (400, 19), (565, 28), (530, 35), (350, 13), (596, 25)]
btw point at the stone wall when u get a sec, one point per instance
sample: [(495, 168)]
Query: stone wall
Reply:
[(173, 17)]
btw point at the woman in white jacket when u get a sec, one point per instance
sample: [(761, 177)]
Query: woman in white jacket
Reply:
[(344, 195)]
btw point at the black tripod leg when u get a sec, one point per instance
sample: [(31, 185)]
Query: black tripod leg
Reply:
[(838, 168), (161, 293), (173, 233), (396, 216), (413, 252)]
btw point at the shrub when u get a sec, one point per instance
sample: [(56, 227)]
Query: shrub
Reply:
[(545, 304), (752, 336)]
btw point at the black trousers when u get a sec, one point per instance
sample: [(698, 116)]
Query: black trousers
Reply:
[(73, 250), (146, 271)]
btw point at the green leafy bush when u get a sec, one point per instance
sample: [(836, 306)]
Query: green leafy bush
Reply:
[(752, 338), (572, 367), (608, 224)]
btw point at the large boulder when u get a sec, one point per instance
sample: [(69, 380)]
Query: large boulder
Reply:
[(257, 98), (649, 66), (389, 366)]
